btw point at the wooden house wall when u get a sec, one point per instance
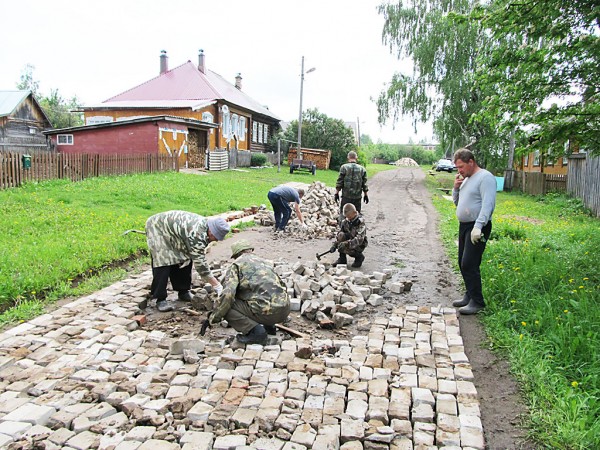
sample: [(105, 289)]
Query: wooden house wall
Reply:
[(173, 140), (15, 129), (558, 168)]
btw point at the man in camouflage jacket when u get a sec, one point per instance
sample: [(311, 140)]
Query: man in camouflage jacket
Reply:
[(352, 181), (352, 237), (254, 298), (175, 240)]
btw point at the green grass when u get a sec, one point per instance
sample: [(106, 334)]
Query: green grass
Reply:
[(541, 284), (58, 232)]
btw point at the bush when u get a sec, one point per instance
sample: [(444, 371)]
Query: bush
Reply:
[(258, 159)]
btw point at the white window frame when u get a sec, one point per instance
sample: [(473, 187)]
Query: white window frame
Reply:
[(260, 133), (526, 160), (226, 126), (265, 133), (207, 117), (68, 137), (242, 128), (536, 158), (235, 125)]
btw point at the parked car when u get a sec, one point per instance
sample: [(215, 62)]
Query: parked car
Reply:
[(445, 165)]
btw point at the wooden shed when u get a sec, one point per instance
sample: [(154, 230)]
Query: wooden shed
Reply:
[(22, 122), (321, 158)]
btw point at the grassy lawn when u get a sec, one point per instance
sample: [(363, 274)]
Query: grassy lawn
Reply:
[(541, 283), (57, 231)]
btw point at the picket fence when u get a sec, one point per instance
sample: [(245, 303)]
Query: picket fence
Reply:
[(77, 167)]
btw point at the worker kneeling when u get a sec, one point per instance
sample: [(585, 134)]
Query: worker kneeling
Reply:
[(254, 298), (352, 237)]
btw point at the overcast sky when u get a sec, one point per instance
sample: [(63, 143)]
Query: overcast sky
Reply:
[(96, 50)]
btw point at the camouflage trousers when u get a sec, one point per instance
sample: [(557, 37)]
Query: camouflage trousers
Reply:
[(243, 319)]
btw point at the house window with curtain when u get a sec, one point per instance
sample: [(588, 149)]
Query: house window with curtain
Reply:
[(260, 133), (242, 128), (235, 125), (265, 133), (226, 122), (536, 158), (65, 139), (254, 131), (526, 161)]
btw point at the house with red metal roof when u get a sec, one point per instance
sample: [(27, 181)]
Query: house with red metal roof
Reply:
[(221, 115)]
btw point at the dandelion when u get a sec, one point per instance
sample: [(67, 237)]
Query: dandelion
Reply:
[(571, 280), (537, 322), (580, 287), (574, 384), (585, 278), (513, 301), (566, 311), (521, 336), (524, 324)]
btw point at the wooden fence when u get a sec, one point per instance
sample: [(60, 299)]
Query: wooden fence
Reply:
[(584, 180), (76, 167), (536, 183)]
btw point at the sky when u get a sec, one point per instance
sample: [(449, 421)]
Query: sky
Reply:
[(95, 50)]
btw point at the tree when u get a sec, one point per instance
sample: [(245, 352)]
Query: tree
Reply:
[(542, 72), (444, 47), (365, 139), (57, 109), (322, 132)]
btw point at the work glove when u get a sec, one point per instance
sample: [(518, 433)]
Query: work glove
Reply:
[(333, 248), (218, 289), (475, 235), (366, 198), (304, 226), (205, 324), (336, 197)]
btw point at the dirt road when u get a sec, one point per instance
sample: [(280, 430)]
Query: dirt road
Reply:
[(402, 224)]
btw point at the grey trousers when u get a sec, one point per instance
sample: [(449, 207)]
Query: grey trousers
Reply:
[(243, 319)]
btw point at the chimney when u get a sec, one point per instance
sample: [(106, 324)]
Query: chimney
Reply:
[(238, 81), (164, 62), (201, 62)]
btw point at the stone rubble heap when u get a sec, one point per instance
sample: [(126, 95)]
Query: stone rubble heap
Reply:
[(406, 162), (332, 295), (92, 374), (319, 210)]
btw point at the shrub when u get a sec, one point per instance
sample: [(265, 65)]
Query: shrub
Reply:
[(258, 159)]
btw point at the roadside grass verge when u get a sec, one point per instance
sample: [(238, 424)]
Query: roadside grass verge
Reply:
[(541, 284), (62, 238)]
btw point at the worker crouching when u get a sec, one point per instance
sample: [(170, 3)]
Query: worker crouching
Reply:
[(352, 237), (254, 297)]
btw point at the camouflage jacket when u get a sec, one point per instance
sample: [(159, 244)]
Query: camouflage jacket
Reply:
[(251, 279), (176, 237), (352, 180), (353, 235)]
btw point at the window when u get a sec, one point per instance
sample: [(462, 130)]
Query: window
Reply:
[(536, 158), (265, 133), (226, 123), (242, 128), (526, 161), (65, 139), (235, 125), (254, 131), (207, 117), (260, 133)]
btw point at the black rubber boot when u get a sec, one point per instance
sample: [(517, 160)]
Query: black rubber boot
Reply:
[(185, 296), (464, 302), (341, 260), (358, 260), (270, 329), (163, 305), (471, 308), (257, 335)]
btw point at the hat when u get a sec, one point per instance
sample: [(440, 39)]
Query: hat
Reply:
[(239, 246), (218, 227)]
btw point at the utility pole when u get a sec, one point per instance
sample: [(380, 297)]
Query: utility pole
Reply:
[(299, 155)]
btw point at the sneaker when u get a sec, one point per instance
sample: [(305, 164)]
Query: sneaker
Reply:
[(470, 309), (464, 302), (185, 296), (257, 335), (358, 260), (164, 306)]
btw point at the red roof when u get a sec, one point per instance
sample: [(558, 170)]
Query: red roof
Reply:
[(185, 86)]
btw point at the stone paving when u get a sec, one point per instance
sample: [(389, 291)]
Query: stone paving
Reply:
[(88, 376)]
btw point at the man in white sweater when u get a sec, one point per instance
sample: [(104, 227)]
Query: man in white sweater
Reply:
[(474, 195)]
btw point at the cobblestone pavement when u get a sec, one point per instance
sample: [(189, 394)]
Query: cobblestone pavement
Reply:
[(87, 376)]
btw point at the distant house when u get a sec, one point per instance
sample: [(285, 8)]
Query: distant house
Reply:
[(197, 94), (22, 122), (141, 135), (540, 162)]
